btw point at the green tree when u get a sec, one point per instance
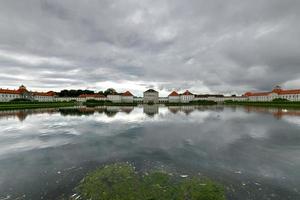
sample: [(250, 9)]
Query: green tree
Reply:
[(109, 91)]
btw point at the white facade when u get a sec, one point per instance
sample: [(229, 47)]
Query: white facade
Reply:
[(151, 96), (4, 97), (115, 98), (276, 93), (7, 95), (186, 97), (272, 96), (92, 97), (60, 99), (44, 98), (163, 99), (174, 97), (127, 99)]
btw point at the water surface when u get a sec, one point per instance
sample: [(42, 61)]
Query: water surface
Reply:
[(254, 152)]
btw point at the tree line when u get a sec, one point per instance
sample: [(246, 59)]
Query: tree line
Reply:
[(76, 93)]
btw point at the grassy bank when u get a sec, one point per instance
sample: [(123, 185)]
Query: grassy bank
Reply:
[(93, 103), (32, 105), (200, 102), (278, 104), (121, 181)]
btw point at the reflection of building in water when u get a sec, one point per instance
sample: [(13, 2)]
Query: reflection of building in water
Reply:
[(76, 111), (111, 111), (22, 114), (150, 110), (127, 109), (187, 109), (174, 109), (113, 108), (276, 112)]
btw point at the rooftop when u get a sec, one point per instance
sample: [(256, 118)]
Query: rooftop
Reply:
[(187, 93), (127, 93), (174, 94), (276, 90), (151, 90)]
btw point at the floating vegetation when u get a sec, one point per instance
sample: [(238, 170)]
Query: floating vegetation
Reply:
[(121, 182)]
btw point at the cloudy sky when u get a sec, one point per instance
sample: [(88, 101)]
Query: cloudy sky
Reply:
[(206, 46)]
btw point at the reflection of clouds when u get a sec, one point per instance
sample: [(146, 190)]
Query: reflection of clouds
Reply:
[(257, 132), (292, 120), (221, 141), (37, 132), (30, 144), (223, 138), (44, 130), (136, 116)]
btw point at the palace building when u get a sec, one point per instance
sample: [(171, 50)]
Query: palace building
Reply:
[(151, 96), (97, 97), (276, 93), (174, 97), (187, 97), (127, 97), (22, 93)]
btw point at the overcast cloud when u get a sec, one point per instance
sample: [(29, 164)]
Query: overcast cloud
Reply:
[(206, 46)]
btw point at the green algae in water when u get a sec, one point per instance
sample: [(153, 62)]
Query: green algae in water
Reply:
[(122, 182)]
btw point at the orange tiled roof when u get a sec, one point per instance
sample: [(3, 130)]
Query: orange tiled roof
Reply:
[(127, 93), (48, 94), (250, 94), (277, 91), (289, 92), (174, 94), (7, 91), (187, 93)]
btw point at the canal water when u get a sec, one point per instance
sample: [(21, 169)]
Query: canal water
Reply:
[(254, 152)]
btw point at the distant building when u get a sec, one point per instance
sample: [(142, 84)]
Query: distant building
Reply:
[(97, 97), (151, 96), (127, 97), (187, 97), (44, 96), (174, 97), (163, 100), (115, 98), (7, 95), (276, 93)]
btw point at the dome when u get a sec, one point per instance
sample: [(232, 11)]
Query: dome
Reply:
[(22, 88), (277, 89)]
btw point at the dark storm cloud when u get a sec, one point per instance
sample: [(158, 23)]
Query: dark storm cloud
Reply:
[(217, 46)]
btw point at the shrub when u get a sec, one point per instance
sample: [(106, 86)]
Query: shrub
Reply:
[(121, 181), (20, 100), (280, 100)]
